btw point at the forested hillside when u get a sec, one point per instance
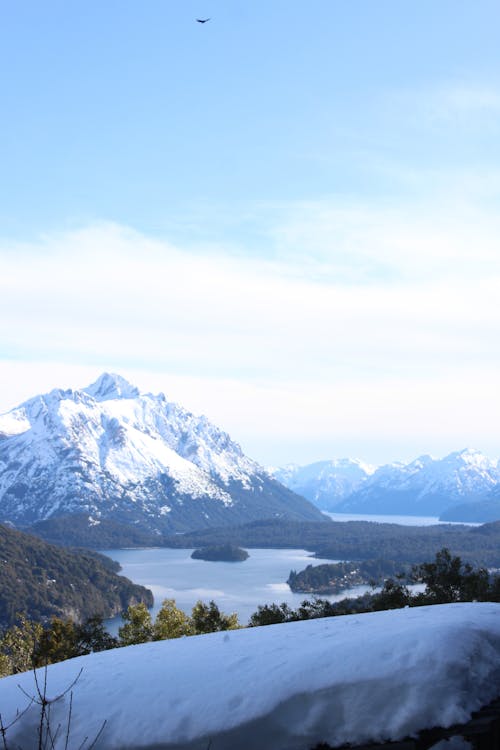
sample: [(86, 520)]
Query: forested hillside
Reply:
[(41, 581), (78, 530)]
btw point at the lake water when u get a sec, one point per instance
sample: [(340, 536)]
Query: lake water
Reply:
[(235, 587), (400, 520)]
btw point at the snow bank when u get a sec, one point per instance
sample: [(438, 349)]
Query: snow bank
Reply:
[(351, 679)]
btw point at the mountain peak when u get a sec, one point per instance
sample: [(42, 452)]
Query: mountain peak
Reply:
[(111, 452), (470, 457), (109, 386)]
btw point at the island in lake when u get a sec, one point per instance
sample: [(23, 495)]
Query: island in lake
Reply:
[(335, 577), (220, 553)]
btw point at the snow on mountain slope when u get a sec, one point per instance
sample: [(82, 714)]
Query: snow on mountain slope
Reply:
[(113, 452), (425, 486), (325, 483), (355, 679)]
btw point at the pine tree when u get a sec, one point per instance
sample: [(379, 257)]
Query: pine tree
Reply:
[(207, 618), (138, 627), (57, 642), (18, 646), (171, 622), (93, 636), (447, 579)]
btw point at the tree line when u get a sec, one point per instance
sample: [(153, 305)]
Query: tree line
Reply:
[(352, 540), (29, 643), (445, 580)]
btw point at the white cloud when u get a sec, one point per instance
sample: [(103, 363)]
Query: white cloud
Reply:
[(444, 233), (110, 293), (295, 352)]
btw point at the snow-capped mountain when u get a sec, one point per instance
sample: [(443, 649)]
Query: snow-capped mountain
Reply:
[(325, 483), (112, 452), (426, 486)]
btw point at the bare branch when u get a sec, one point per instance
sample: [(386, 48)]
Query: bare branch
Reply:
[(101, 730), (69, 720), (46, 737)]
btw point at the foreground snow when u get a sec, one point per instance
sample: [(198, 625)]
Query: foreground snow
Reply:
[(346, 679)]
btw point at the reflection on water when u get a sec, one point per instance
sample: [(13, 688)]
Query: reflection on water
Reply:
[(236, 587)]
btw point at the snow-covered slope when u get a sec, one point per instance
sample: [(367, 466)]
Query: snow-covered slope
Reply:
[(325, 483), (113, 452), (354, 679), (426, 486)]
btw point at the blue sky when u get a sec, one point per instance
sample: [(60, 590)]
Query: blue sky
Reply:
[(285, 218)]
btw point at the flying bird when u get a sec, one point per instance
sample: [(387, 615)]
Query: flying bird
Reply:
[(203, 20)]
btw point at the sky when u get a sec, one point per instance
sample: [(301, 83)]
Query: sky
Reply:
[(285, 218)]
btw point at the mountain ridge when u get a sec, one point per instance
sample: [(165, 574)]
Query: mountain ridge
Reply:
[(111, 452), (425, 486)]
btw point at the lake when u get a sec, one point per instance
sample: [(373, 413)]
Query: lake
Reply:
[(235, 587), (400, 520)]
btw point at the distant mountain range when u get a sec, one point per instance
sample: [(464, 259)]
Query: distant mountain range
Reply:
[(325, 483), (110, 452), (463, 486)]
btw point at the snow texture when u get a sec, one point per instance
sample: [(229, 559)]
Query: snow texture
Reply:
[(368, 677)]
